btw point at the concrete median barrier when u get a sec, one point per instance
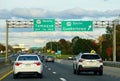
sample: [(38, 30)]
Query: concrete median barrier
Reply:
[(111, 64)]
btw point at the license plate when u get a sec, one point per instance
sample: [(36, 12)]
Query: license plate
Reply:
[(28, 65)]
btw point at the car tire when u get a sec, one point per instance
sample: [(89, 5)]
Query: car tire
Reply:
[(78, 71), (100, 72), (40, 75), (15, 76), (74, 70), (95, 72)]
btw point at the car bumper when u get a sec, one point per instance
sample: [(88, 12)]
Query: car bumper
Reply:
[(30, 70), (91, 68)]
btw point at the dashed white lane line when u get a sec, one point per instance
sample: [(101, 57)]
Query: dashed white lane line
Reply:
[(49, 68), (54, 72), (63, 79), (46, 66)]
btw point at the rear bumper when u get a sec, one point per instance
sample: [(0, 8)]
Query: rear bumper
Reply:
[(91, 68), (28, 71)]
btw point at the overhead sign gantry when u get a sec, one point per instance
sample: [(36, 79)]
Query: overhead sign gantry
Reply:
[(50, 25)]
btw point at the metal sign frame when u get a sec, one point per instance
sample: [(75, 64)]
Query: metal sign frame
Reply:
[(29, 24)]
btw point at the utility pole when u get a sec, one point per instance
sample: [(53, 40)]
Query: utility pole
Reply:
[(6, 56), (114, 41), (115, 23)]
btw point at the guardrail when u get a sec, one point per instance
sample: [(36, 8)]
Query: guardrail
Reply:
[(111, 64)]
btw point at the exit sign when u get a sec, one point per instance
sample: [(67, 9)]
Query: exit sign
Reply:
[(44, 24), (77, 25)]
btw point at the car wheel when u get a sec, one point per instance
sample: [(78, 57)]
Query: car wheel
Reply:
[(15, 76), (95, 72), (40, 76), (100, 72), (77, 72), (74, 70)]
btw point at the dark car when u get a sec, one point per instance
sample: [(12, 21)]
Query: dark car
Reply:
[(49, 59)]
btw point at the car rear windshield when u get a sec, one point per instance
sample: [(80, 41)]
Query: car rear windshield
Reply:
[(90, 57), (50, 57), (27, 58)]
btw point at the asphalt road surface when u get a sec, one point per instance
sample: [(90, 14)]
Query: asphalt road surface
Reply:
[(62, 71)]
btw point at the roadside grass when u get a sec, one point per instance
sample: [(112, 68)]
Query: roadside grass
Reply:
[(2, 55)]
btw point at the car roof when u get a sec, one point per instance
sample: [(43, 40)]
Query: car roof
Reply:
[(89, 53), (28, 55)]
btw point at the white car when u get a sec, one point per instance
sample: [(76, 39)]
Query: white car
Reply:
[(27, 64), (86, 62)]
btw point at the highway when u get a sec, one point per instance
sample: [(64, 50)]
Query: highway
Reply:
[(61, 70)]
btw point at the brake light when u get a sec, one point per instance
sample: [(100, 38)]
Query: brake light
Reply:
[(37, 63), (81, 60), (17, 64)]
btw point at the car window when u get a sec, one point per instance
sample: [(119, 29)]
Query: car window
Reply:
[(27, 58), (90, 57), (50, 57)]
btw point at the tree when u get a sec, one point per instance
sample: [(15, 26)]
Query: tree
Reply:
[(2, 47), (118, 42), (65, 46), (83, 45), (107, 43)]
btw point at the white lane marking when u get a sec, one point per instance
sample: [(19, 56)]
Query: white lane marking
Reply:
[(54, 72), (46, 66), (63, 79), (49, 68)]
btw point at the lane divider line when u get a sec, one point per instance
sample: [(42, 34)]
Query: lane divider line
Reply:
[(49, 68), (54, 72), (8, 73), (63, 79)]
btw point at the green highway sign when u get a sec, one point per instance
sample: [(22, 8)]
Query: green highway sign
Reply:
[(44, 24), (77, 25), (36, 47)]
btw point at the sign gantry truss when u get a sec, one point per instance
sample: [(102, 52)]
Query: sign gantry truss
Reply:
[(30, 24), (19, 23)]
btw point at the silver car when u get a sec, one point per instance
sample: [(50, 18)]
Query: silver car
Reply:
[(86, 62)]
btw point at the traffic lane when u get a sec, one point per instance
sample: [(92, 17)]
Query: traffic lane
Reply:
[(111, 71), (65, 71), (48, 75)]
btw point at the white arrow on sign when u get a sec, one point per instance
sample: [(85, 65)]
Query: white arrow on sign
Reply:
[(89, 27)]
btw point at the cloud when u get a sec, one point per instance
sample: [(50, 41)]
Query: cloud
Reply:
[(26, 36), (106, 0), (74, 13)]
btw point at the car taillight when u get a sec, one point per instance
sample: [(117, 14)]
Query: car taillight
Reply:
[(81, 60), (17, 64), (37, 63)]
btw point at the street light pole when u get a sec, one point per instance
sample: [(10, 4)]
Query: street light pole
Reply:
[(115, 23), (114, 41), (6, 56)]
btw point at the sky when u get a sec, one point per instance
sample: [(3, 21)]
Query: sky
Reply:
[(57, 9)]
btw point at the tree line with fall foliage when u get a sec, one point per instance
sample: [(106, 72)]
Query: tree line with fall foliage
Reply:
[(104, 46)]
